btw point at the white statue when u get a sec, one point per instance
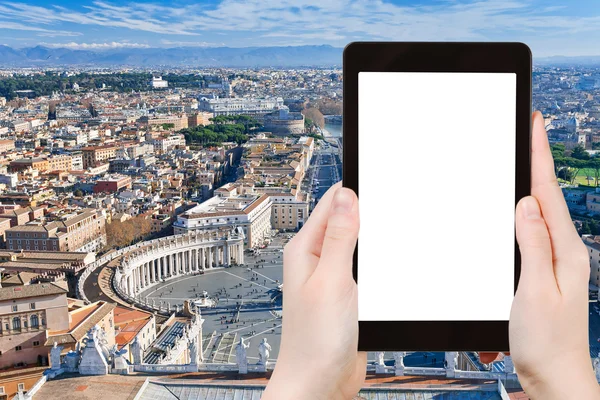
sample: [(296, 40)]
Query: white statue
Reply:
[(55, 356), (380, 358), (399, 359), (264, 349), (136, 351), (240, 354), (193, 349), (596, 364), (451, 360)]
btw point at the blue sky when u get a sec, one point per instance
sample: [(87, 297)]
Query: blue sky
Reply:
[(550, 27)]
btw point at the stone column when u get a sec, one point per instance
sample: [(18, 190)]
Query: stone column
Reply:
[(216, 253), (129, 285), (153, 270), (226, 255), (147, 269), (189, 261), (209, 258), (202, 259), (143, 274)]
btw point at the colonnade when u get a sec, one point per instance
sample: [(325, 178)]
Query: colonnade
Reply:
[(178, 255)]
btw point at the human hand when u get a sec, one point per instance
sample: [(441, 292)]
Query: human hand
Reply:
[(549, 317), (318, 357)]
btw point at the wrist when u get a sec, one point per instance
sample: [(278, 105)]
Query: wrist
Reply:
[(578, 384), (310, 382)]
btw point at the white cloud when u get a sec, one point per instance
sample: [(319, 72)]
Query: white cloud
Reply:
[(268, 22), (98, 46)]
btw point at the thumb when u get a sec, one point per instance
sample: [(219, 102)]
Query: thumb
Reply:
[(534, 243), (341, 234)]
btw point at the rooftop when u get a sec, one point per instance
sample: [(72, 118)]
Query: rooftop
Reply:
[(21, 292)]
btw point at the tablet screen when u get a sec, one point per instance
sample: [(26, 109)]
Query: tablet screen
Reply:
[(437, 196)]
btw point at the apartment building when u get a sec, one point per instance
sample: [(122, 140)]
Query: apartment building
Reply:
[(251, 212), (97, 154), (84, 231), (26, 313)]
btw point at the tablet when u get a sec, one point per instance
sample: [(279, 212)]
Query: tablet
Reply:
[(436, 143)]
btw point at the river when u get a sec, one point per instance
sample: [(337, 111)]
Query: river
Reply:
[(334, 129)]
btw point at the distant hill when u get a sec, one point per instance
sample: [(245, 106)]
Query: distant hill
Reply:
[(588, 61), (291, 56)]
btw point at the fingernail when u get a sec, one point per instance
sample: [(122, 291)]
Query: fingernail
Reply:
[(531, 208), (342, 201)]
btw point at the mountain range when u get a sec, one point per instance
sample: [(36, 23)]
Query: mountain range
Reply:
[(291, 56)]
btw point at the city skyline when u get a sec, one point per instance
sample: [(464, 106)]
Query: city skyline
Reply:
[(550, 28)]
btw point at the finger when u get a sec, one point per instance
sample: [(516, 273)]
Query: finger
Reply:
[(544, 187), (340, 235), (537, 272), (301, 254)]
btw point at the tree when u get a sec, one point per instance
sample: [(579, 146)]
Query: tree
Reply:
[(315, 115), (594, 227), (585, 228), (594, 164), (575, 165), (580, 153)]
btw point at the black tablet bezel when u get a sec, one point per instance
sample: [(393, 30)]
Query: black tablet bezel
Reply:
[(438, 57)]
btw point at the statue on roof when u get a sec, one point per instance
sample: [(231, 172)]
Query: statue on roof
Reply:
[(55, 356), (241, 357), (264, 350)]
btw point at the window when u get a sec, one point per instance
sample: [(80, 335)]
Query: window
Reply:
[(16, 322), (18, 348), (35, 321), (32, 306), (21, 386), (36, 343), (15, 308)]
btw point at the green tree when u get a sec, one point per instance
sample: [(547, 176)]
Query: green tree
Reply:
[(585, 228), (594, 227), (580, 153)]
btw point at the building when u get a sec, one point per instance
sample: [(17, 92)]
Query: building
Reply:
[(6, 145), (82, 318), (112, 184), (36, 163), (593, 245), (158, 83), (176, 122), (26, 313), (45, 263), (240, 106), (288, 211), (252, 212), (592, 201), (282, 122), (62, 162), (201, 118), (94, 155), (168, 143), (130, 324), (80, 232)]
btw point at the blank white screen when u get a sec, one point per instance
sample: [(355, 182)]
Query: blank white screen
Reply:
[(436, 188)]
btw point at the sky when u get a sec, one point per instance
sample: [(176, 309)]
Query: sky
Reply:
[(549, 27)]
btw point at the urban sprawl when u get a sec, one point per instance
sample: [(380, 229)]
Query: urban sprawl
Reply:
[(143, 216)]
